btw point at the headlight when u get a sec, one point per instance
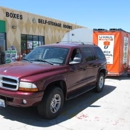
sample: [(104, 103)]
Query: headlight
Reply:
[(28, 87)]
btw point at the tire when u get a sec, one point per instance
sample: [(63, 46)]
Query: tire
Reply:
[(100, 83), (51, 104), (128, 75)]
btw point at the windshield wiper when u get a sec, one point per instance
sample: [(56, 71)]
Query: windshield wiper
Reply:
[(42, 60)]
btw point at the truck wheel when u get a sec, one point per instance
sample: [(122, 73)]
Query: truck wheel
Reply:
[(100, 83), (52, 103)]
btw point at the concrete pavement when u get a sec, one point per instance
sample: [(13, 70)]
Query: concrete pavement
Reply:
[(109, 110)]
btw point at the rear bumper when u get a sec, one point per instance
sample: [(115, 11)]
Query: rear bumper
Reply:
[(15, 98), (115, 74)]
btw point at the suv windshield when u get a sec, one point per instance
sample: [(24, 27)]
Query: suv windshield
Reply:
[(52, 55)]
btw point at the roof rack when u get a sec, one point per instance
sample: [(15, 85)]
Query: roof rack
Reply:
[(100, 29), (75, 42), (116, 29)]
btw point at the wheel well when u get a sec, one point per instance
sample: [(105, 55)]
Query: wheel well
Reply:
[(60, 83), (103, 71)]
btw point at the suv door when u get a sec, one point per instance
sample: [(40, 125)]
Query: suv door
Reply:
[(77, 71), (101, 59), (91, 64)]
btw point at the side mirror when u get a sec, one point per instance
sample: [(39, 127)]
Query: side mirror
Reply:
[(75, 61)]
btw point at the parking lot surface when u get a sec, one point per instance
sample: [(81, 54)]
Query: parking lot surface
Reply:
[(108, 110)]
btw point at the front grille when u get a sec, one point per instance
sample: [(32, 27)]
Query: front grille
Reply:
[(9, 82)]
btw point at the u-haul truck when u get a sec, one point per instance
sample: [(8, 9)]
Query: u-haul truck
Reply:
[(114, 43)]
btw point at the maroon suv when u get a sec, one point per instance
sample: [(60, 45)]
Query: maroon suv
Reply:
[(51, 74)]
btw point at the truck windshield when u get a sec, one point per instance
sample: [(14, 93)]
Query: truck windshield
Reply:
[(54, 55)]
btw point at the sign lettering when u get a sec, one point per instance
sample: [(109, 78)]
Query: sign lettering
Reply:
[(13, 15), (41, 21)]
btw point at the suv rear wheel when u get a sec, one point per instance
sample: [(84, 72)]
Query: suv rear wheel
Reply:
[(128, 75), (100, 83), (52, 103)]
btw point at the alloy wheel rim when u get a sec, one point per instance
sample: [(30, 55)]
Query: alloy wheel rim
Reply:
[(55, 103), (101, 80)]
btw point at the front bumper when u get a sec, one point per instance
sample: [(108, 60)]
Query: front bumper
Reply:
[(15, 98)]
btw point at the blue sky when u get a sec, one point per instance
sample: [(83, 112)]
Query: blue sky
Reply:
[(92, 14)]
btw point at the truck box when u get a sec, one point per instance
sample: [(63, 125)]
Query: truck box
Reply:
[(115, 45)]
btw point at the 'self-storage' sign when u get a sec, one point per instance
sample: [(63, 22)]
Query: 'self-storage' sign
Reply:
[(40, 21)]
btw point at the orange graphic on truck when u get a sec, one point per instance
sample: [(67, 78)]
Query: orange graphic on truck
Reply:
[(106, 44)]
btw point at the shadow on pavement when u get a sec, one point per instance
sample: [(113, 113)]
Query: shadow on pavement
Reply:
[(29, 116), (121, 77)]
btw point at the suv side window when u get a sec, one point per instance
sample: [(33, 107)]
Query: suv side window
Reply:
[(99, 53), (89, 56), (76, 56)]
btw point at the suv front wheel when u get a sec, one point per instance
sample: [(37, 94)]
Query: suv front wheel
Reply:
[(100, 82), (52, 103)]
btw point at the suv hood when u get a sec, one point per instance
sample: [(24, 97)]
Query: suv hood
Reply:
[(21, 69)]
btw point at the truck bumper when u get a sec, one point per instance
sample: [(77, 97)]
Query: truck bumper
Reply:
[(21, 99)]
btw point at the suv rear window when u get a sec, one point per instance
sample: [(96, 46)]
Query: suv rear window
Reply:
[(89, 56), (99, 53)]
